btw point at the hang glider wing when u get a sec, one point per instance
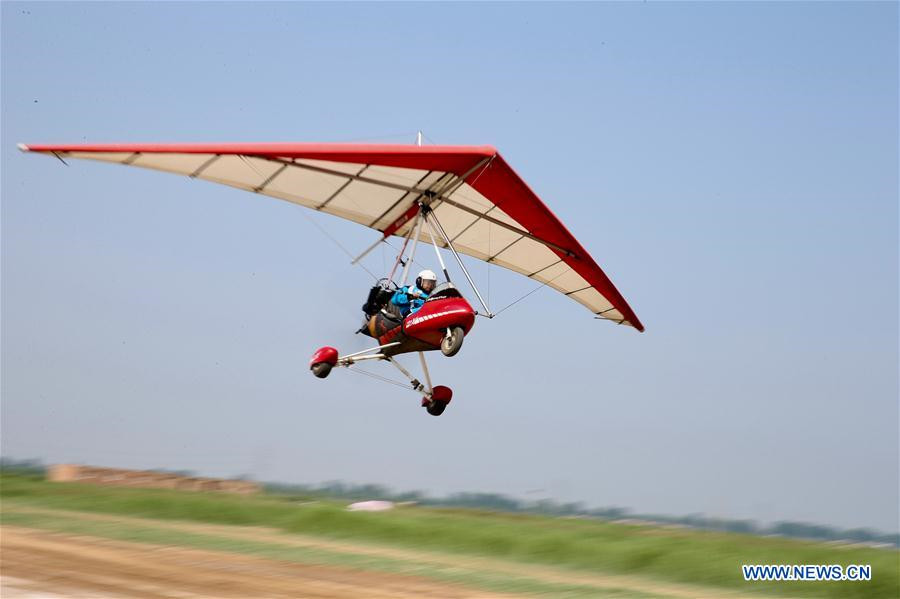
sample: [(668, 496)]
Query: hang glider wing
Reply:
[(486, 209)]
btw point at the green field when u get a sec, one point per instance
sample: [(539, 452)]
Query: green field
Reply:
[(708, 559)]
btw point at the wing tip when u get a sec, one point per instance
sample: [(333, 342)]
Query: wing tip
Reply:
[(23, 148), (635, 323)]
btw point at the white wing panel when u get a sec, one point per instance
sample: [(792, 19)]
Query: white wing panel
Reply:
[(551, 273), (596, 303), (454, 221), (526, 256), (313, 187), (367, 200), (485, 237), (184, 164), (568, 281), (239, 171), (349, 168), (469, 197), (101, 156), (408, 177)]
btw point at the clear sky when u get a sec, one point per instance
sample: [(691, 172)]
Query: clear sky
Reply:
[(732, 166)]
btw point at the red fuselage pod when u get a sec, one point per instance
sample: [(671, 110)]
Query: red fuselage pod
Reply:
[(424, 330), (430, 323)]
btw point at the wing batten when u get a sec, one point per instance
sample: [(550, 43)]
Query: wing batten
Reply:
[(203, 166), (341, 188), (488, 211)]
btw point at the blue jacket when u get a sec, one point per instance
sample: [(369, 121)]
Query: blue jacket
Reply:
[(408, 304)]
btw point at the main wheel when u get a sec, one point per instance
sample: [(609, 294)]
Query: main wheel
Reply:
[(437, 403), (321, 369), (452, 341)]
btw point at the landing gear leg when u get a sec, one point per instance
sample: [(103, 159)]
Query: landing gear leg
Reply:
[(416, 385), (434, 399)]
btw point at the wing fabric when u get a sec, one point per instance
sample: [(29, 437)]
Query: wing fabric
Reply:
[(486, 209)]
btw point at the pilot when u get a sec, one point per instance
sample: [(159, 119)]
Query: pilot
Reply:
[(410, 298)]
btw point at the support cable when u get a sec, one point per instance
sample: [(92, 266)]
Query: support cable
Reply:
[(538, 288), (416, 262), (380, 378), (412, 252), (335, 242)]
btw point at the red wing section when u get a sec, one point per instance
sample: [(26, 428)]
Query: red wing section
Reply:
[(487, 210)]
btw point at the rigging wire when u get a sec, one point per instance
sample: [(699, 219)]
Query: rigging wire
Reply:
[(399, 261), (538, 288), (315, 224), (380, 378), (482, 171), (335, 242), (416, 262)]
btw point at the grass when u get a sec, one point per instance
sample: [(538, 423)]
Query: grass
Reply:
[(678, 555)]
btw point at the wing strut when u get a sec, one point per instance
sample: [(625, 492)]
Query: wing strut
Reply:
[(412, 251), (429, 216)]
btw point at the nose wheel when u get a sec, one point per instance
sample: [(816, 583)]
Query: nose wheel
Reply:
[(323, 361), (452, 341), (321, 369)]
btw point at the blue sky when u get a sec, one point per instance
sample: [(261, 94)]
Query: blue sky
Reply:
[(732, 167)]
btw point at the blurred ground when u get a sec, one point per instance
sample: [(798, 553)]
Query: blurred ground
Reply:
[(37, 563), (47, 559)]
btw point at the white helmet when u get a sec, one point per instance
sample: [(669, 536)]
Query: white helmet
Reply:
[(425, 275)]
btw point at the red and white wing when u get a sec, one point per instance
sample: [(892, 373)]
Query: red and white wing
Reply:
[(486, 209)]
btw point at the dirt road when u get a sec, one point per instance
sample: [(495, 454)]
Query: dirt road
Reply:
[(45, 564), (62, 553)]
